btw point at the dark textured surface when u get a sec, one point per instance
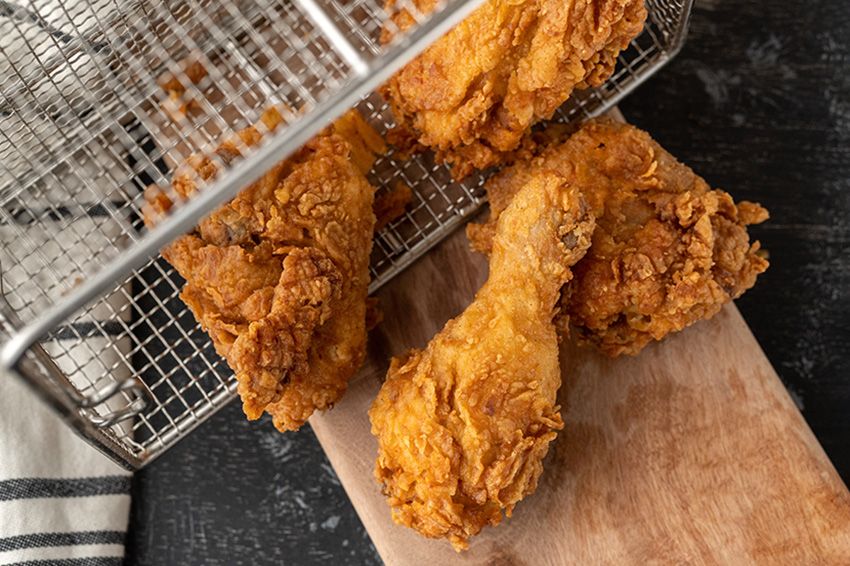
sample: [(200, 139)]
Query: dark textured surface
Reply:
[(758, 102), (242, 493)]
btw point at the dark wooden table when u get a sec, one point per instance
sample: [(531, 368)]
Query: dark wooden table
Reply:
[(758, 102)]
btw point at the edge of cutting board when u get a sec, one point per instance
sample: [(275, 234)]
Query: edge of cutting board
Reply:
[(692, 452)]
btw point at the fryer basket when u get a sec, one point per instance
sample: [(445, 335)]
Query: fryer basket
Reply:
[(90, 316)]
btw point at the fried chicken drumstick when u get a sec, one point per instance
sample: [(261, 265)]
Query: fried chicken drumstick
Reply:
[(668, 249), (474, 94), (463, 426), (278, 276)]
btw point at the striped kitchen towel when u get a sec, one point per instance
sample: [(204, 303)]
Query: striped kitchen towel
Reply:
[(61, 502)]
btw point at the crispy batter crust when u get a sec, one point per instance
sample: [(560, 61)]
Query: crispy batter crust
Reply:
[(278, 276), (463, 425), (474, 94), (668, 249)]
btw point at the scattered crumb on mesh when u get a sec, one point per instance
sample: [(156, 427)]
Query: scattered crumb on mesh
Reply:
[(177, 105), (156, 206)]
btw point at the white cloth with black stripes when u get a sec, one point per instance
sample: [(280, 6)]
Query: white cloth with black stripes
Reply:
[(61, 501)]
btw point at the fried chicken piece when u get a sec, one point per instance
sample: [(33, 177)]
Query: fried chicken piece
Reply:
[(463, 426), (668, 249), (278, 276), (391, 205), (474, 94)]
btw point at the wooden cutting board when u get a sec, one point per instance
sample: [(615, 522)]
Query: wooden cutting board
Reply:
[(691, 453)]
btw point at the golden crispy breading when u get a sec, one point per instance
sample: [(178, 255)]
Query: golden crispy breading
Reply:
[(463, 426), (474, 94), (278, 276), (391, 205), (668, 249)]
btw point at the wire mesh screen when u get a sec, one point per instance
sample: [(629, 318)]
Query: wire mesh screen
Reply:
[(102, 98)]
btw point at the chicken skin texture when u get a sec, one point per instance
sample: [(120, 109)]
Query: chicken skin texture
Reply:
[(278, 276), (473, 95), (668, 249), (463, 425)]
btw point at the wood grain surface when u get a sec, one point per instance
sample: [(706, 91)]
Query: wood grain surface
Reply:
[(692, 452)]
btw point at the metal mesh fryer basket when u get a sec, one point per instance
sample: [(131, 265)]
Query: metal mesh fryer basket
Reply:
[(92, 322)]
